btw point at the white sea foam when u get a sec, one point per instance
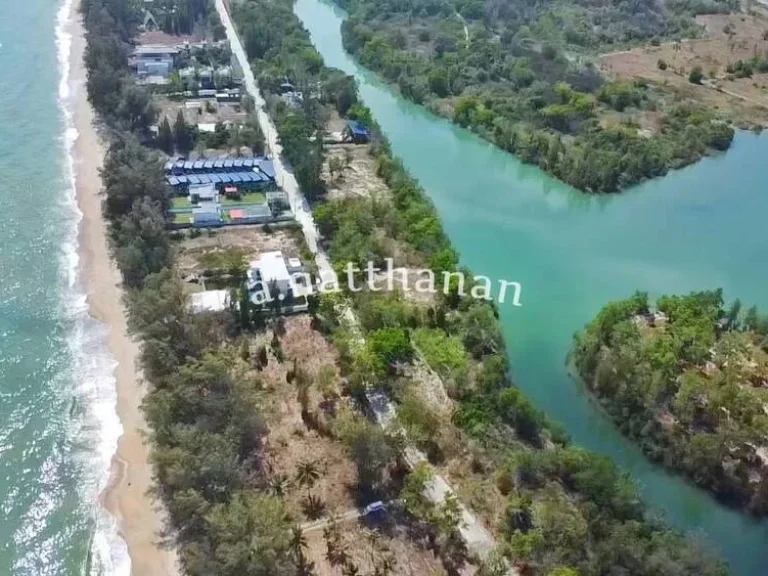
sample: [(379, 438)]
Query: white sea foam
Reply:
[(93, 366)]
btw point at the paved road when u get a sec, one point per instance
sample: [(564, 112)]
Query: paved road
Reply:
[(284, 176), (478, 539)]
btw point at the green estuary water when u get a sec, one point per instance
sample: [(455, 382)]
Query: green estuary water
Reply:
[(698, 228)]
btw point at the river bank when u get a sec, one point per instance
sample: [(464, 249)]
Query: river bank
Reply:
[(695, 229), (125, 497)]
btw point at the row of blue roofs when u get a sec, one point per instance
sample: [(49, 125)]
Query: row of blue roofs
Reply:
[(220, 164), (216, 178)]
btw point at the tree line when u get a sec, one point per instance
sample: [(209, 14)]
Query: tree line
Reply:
[(521, 83), (685, 379), (585, 495)]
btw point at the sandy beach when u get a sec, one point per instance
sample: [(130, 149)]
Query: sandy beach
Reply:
[(139, 517)]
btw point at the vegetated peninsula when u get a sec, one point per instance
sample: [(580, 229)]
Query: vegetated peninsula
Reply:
[(263, 448), (687, 379), (600, 95)]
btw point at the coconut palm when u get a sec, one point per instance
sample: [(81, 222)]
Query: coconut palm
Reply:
[(307, 474), (279, 485)]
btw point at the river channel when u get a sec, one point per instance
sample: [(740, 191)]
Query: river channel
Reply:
[(698, 228)]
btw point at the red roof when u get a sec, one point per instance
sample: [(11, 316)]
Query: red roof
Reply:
[(234, 214)]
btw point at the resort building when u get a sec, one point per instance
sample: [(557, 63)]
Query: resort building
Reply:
[(199, 193), (154, 61)]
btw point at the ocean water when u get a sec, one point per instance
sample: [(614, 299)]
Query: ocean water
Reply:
[(58, 426)]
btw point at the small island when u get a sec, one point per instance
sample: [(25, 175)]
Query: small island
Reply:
[(687, 378)]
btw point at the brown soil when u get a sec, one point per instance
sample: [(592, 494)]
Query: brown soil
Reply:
[(745, 99), (252, 240), (165, 39), (290, 441), (366, 546), (209, 111)]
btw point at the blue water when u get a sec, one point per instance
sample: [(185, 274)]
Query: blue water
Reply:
[(698, 228), (56, 393)]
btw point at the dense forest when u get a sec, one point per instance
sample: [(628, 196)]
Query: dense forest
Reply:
[(687, 380), (521, 75), (567, 511)]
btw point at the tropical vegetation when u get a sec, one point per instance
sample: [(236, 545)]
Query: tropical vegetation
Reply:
[(567, 510), (686, 378), (524, 77)]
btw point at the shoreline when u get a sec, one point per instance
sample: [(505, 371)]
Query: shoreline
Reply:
[(139, 517)]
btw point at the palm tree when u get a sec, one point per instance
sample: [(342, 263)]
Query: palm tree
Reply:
[(298, 540), (298, 543), (372, 537), (385, 566), (279, 485), (307, 474)]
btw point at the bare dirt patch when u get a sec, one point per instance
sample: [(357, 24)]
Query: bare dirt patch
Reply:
[(291, 442), (165, 39), (357, 174), (369, 545), (728, 38), (200, 110), (250, 240)]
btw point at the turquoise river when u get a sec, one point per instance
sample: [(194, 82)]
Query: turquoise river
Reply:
[(702, 227)]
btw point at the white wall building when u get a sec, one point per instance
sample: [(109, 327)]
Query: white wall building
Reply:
[(271, 276)]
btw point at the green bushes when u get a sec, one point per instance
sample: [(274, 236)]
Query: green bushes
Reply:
[(532, 102), (668, 384)]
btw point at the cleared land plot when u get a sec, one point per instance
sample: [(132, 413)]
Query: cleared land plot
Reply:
[(291, 442), (727, 39), (208, 110), (219, 249), (354, 173), (368, 544)]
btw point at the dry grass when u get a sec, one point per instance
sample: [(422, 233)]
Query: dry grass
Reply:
[(358, 175), (290, 441), (366, 546), (745, 99), (160, 37), (251, 240), (209, 111)]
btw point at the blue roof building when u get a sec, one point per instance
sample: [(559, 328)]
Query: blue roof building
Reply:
[(356, 132)]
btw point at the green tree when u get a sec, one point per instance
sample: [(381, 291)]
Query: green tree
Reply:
[(696, 75), (182, 134), (165, 136)]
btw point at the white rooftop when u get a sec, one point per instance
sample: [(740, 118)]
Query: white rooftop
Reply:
[(271, 266), (210, 301)]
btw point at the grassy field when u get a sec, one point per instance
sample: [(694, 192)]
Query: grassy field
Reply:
[(181, 202), (182, 218), (250, 198)]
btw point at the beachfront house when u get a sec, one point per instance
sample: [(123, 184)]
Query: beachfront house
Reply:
[(154, 61), (356, 132), (272, 279)]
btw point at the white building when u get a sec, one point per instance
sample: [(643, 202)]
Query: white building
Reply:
[(209, 301), (272, 277)]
